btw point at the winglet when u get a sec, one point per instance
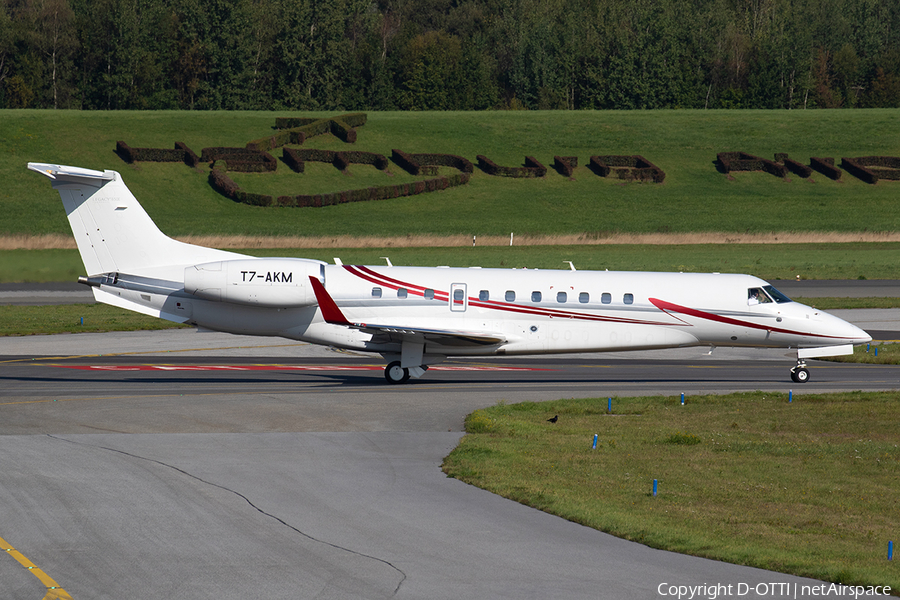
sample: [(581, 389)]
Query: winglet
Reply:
[(329, 308)]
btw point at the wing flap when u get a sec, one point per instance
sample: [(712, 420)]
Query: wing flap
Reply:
[(445, 337)]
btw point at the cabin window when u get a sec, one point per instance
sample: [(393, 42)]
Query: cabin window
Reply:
[(376, 292), (628, 299), (606, 298), (584, 297), (402, 293), (510, 296), (429, 294), (535, 296), (757, 296), (458, 295), (561, 297), (484, 295)]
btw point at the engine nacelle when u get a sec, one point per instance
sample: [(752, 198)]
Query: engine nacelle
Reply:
[(269, 282)]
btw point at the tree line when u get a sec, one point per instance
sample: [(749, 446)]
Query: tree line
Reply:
[(448, 54)]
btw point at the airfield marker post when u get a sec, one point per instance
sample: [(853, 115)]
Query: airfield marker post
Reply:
[(891, 550), (682, 398), (790, 396), (609, 405), (594, 447), (654, 488)]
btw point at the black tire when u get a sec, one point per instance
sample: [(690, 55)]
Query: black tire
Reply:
[(800, 375), (394, 373)]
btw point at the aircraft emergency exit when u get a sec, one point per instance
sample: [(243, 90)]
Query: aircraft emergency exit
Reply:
[(418, 316)]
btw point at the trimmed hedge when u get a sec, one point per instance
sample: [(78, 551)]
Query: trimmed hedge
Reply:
[(792, 165), (826, 167), (190, 158), (373, 193), (857, 170), (425, 164), (244, 160), (296, 159), (741, 161), (181, 153), (532, 168), (351, 119), (292, 159), (629, 168), (271, 142), (565, 165), (222, 183), (295, 130), (872, 168)]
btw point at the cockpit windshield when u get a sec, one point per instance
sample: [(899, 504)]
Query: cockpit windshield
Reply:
[(776, 295), (766, 295)]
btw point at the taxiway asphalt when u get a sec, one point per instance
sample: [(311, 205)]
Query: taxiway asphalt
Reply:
[(176, 464)]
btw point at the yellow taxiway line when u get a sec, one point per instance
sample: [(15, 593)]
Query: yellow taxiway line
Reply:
[(54, 591)]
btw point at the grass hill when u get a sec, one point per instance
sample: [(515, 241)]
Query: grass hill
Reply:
[(694, 197)]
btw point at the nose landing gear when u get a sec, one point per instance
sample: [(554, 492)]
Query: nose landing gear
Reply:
[(800, 374)]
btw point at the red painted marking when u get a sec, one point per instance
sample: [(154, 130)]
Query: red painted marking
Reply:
[(669, 307), (372, 276), (327, 305), (277, 368)]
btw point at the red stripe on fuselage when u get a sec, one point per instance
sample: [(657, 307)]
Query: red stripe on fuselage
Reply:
[(389, 282), (669, 307)]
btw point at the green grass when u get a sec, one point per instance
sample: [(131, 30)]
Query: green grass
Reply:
[(694, 197), (771, 262), (873, 354), (808, 487), (67, 318)]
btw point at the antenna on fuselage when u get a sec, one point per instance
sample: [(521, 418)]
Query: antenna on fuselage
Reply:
[(571, 266), (388, 261)]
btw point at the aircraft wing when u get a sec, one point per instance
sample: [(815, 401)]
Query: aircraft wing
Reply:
[(393, 333), (445, 337)]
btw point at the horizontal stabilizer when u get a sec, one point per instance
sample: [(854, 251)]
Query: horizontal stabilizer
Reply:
[(73, 174)]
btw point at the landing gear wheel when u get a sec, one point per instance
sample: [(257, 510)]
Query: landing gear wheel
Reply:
[(394, 373), (800, 375)]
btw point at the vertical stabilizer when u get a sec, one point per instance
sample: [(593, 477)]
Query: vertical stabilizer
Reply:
[(112, 230)]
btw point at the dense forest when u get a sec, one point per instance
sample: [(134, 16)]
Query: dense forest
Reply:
[(448, 54)]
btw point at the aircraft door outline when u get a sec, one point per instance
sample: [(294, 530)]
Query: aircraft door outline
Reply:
[(459, 301)]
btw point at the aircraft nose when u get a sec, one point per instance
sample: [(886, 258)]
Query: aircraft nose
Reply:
[(852, 333)]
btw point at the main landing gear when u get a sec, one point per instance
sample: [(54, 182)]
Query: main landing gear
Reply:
[(394, 373), (800, 374)]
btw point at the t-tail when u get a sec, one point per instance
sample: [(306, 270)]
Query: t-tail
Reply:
[(129, 262), (113, 232)]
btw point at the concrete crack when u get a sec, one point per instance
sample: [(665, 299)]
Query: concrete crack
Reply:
[(251, 504)]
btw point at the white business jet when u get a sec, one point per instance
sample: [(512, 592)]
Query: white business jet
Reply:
[(418, 316)]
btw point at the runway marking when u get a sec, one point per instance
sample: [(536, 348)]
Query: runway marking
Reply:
[(278, 368), (54, 591)]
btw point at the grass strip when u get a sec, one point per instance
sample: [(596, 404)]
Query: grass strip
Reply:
[(67, 318), (872, 260), (807, 487), (873, 354)]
